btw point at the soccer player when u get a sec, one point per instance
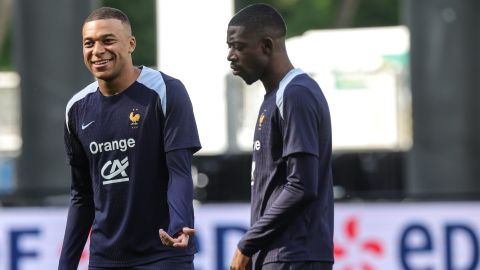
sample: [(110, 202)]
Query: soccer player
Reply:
[(129, 139), (292, 194)]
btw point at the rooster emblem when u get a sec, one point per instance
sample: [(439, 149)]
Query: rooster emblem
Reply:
[(260, 120), (134, 118)]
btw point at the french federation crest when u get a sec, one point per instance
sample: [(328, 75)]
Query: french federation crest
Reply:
[(134, 118), (261, 119)]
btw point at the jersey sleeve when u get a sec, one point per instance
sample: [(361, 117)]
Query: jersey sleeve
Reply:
[(301, 121), (81, 209), (180, 190), (301, 188), (180, 126)]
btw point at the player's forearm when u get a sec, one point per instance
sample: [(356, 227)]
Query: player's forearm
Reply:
[(301, 188), (80, 217), (180, 190), (271, 223), (79, 221)]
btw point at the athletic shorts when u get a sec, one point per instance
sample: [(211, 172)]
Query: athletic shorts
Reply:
[(297, 266), (173, 263)]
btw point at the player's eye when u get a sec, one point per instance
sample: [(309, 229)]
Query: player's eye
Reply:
[(88, 44), (236, 46), (109, 41)]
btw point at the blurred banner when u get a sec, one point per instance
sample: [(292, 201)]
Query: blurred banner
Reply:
[(382, 236)]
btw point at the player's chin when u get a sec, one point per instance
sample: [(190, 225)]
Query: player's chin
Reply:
[(245, 77), (249, 80), (102, 75)]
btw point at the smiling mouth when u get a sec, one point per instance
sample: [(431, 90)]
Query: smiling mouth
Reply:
[(101, 62)]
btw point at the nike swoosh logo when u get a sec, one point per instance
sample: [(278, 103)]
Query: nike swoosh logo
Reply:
[(85, 126)]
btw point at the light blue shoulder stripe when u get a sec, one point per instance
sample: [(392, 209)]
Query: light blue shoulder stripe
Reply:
[(283, 84), (78, 96), (153, 79)]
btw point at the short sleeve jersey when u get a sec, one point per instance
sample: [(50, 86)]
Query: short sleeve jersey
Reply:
[(121, 140), (294, 119)]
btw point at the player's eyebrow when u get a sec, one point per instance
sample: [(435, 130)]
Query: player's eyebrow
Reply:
[(100, 37)]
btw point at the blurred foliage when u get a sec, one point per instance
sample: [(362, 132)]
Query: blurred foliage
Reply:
[(143, 20), (303, 15), (378, 13), (6, 54), (300, 15)]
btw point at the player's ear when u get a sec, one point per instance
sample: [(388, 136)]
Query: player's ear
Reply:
[(267, 45), (132, 44)]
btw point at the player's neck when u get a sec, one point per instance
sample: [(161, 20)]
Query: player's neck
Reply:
[(120, 83), (272, 80)]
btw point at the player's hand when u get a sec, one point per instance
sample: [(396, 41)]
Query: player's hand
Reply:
[(240, 261), (181, 241)]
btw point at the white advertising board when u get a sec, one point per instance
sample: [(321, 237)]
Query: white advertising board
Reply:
[(363, 73), (368, 236)]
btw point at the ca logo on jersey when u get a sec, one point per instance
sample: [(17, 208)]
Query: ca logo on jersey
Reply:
[(116, 173)]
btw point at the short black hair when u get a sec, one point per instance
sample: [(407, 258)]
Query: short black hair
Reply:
[(108, 13), (260, 17)]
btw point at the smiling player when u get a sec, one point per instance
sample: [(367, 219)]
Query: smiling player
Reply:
[(129, 139)]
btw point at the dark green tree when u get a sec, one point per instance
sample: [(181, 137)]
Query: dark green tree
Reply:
[(6, 34), (303, 15), (6, 52)]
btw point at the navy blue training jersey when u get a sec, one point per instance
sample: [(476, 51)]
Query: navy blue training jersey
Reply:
[(292, 147), (117, 148)]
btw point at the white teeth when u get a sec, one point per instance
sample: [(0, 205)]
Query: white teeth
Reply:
[(101, 62)]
